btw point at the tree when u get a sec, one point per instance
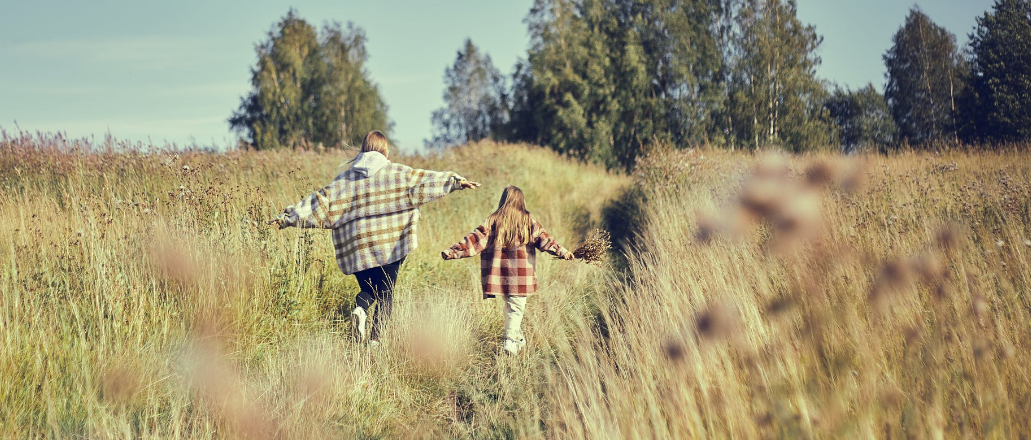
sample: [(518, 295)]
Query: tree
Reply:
[(667, 66), (608, 80), (309, 89), (998, 105), (605, 80), (862, 118), (774, 97), (475, 100), (925, 74), (569, 72)]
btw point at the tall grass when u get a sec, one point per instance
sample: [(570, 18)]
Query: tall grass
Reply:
[(762, 297), (814, 297), (143, 297)]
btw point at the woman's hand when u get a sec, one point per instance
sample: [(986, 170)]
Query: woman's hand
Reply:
[(568, 256), (280, 222), (465, 184)]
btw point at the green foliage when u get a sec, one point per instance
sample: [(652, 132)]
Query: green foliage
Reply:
[(862, 117), (925, 76), (998, 107), (774, 97), (476, 105), (609, 80), (568, 73), (605, 81), (310, 89)]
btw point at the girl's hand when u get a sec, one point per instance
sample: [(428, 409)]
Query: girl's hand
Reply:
[(568, 256), (465, 184)]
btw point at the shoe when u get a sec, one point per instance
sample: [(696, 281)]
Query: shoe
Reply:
[(512, 347), (358, 318), (374, 344), (521, 343)]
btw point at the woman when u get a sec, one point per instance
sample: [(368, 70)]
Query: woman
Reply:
[(373, 210)]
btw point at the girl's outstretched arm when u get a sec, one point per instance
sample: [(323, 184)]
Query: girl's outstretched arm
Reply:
[(545, 243), (471, 245)]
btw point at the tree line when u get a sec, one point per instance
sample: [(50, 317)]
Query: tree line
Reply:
[(609, 80)]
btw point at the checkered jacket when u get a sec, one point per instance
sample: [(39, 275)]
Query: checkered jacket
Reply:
[(373, 218), (506, 271)]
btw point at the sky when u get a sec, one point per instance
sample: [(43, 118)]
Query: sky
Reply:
[(174, 71)]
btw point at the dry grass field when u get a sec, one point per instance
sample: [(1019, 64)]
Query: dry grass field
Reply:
[(758, 297)]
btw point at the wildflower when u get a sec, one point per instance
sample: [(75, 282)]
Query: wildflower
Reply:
[(947, 237), (980, 348), (979, 306), (674, 350), (119, 384), (715, 323), (821, 173), (1006, 351), (780, 306)]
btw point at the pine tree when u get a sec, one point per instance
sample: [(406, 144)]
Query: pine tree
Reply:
[(999, 101), (475, 100), (925, 75), (309, 90)]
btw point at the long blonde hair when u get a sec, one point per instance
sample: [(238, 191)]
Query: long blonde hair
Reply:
[(511, 223)]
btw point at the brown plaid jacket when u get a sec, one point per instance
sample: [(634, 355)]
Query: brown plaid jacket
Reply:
[(373, 218), (506, 271)]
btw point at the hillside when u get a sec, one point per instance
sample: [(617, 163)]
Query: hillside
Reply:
[(760, 296), (145, 298)]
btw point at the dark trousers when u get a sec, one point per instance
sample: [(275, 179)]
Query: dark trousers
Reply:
[(377, 285)]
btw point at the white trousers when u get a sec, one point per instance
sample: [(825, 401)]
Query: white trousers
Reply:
[(514, 308)]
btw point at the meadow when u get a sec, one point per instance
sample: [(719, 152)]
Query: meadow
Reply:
[(752, 296)]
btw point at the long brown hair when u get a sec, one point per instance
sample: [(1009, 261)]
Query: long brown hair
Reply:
[(510, 224)]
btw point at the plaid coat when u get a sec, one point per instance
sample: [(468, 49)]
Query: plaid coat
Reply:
[(506, 271), (374, 217)]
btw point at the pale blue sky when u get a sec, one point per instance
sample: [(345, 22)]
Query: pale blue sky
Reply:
[(175, 70)]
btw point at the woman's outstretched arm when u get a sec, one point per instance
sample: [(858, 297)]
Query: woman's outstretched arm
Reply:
[(321, 209), (426, 186), (471, 245)]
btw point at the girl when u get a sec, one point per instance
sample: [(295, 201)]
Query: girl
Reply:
[(508, 240), (373, 210)]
